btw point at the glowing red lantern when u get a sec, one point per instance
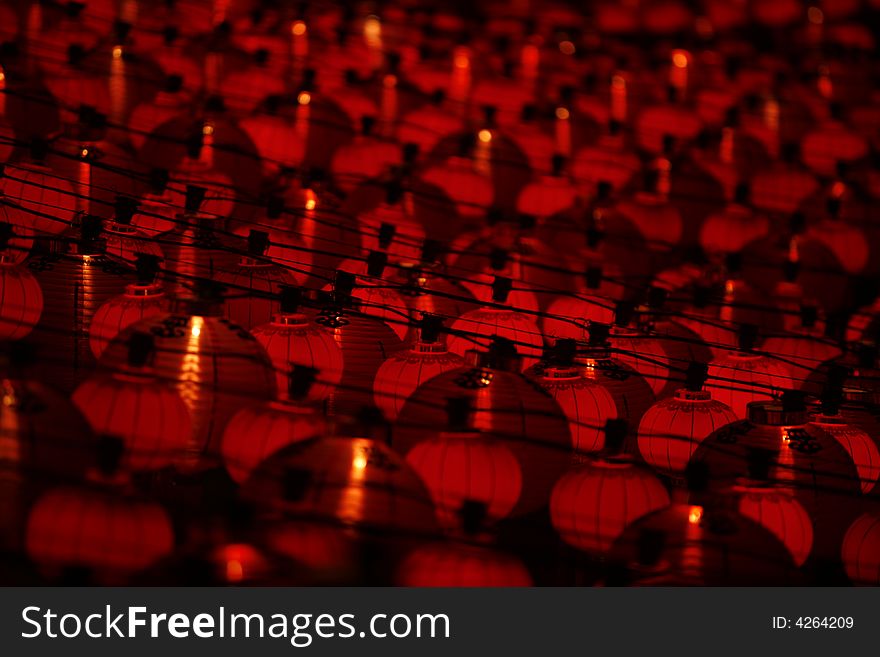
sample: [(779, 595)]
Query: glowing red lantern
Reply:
[(171, 102), (197, 169), (462, 466), (649, 212), (828, 144), (21, 300), (656, 122), (280, 141), (215, 366), (256, 432), (253, 284), (391, 227), (109, 534), (858, 444), (365, 158), (731, 229), (783, 187), (594, 502), (803, 347), (609, 161), (490, 321), (691, 545), (673, 428), (587, 405), (460, 565), (548, 195), (508, 408), (351, 482), (427, 291), (860, 551), (156, 213), (428, 125), (39, 199), (405, 371), (133, 405), (639, 350), (326, 551), (293, 339), (124, 241), (458, 177)]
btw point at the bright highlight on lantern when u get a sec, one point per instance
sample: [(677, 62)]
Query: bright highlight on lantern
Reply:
[(304, 98), (117, 52), (485, 136), (298, 28), (562, 114)]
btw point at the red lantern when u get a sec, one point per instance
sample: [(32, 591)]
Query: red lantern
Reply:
[(197, 169), (594, 502), (156, 213), (111, 535), (144, 412), (403, 373), (214, 365), (365, 158), (256, 432), (141, 300), (639, 350), (656, 122), (587, 405), (731, 229), (861, 550), (280, 141), (782, 188), (460, 565), (39, 199), (166, 106), (830, 143), (393, 228), (377, 298), (292, 339), (858, 444), (351, 482), (462, 466), (690, 545), (325, 550), (804, 348), (488, 322), (508, 409), (738, 379), (253, 284), (427, 126), (548, 195), (656, 220), (427, 291), (673, 428), (458, 177), (609, 161), (21, 300)]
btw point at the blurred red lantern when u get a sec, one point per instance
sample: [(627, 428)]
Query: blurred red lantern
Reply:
[(690, 545), (280, 141), (828, 144), (156, 213), (392, 227), (365, 158), (860, 551), (782, 187), (144, 412), (656, 220), (38, 198), (256, 432), (655, 123), (858, 444), (458, 177), (215, 366), (140, 300), (462, 466), (507, 408), (673, 428), (103, 531), (292, 339), (740, 378), (197, 169), (325, 550), (594, 502), (587, 405), (428, 125), (460, 565), (350, 482), (254, 284), (377, 297), (404, 372), (548, 195), (735, 226), (171, 102), (804, 347), (427, 291), (609, 161), (639, 350), (847, 242), (21, 300)]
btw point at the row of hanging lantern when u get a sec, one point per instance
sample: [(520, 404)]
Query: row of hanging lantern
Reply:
[(569, 301)]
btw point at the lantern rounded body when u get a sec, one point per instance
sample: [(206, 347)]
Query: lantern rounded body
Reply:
[(21, 302), (860, 551), (350, 482), (291, 339), (409, 234), (507, 408), (120, 312), (741, 378), (586, 404), (215, 366), (400, 375), (126, 243), (568, 317), (484, 323), (861, 448), (778, 510), (103, 532), (593, 503), (673, 428), (460, 565), (253, 287), (363, 159), (41, 200), (462, 467), (147, 415), (256, 432), (643, 353)]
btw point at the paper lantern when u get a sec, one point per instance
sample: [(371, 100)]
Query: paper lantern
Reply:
[(609, 161), (548, 195), (657, 122), (860, 551), (364, 158), (197, 169), (476, 326), (569, 317), (587, 405), (293, 338), (471, 190), (803, 349), (256, 432), (39, 199), (404, 372), (215, 366), (328, 552), (253, 285), (392, 228), (594, 502), (135, 406), (775, 508), (782, 188), (156, 213), (642, 352), (76, 282), (280, 141), (691, 545), (139, 301), (376, 297), (657, 221), (673, 428), (848, 243), (427, 126), (828, 144), (171, 102), (427, 291), (738, 379), (507, 408), (460, 565), (862, 449), (109, 534), (356, 483), (462, 466), (21, 300), (805, 459), (731, 229)]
